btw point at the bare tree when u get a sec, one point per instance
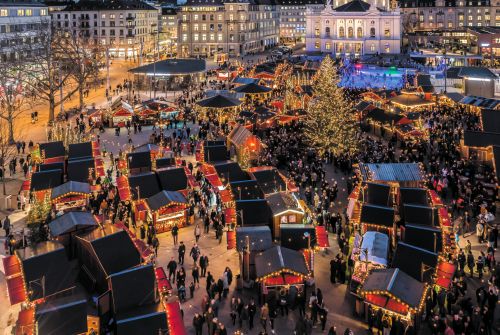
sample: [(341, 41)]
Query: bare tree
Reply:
[(13, 97), (51, 69), (86, 58), (7, 153)]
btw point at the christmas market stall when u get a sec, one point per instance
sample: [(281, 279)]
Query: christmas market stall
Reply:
[(298, 236), (246, 190), (243, 145), (80, 150), (16, 290), (370, 251), (253, 213), (285, 209), (401, 174), (64, 227), (396, 294), (104, 252), (50, 152), (230, 171), (278, 267), (65, 315), (46, 270), (81, 170), (271, 180), (121, 117), (71, 195), (411, 101), (167, 209), (377, 218), (225, 107), (416, 262), (42, 182), (139, 162)]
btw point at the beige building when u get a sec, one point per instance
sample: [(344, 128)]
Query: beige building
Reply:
[(431, 15), (237, 28), (126, 28), (168, 23), (293, 19)]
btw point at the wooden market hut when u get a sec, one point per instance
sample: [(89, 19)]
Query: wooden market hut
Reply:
[(230, 171), (377, 218), (297, 236), (51, 152), (269, 179), (173, 178), (416, 262), (139, 162), (285, 209), (246, 190), (278, 266), (70, 196), (72, 222), (143, 185), (411, 101), (65, 315), (42, 182), (241, 141), (167, 209), (81, 170), (46, 270), (254, 212), (400, 174), (80, 150), (395, 293), (104, 252)]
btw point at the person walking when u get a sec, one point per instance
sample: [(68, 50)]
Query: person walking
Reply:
[(264, 316), (252, 310), (175, 233), (470, 263), (181, 251), (198, 321), (195, 253), (7, 226), (197, 232), (203, 265), (172, 267)]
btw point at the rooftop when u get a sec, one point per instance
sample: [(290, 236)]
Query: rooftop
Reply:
[(94, 5), (172, 67)]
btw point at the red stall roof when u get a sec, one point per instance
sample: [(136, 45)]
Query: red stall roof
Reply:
[(322, 237), (174, 317)]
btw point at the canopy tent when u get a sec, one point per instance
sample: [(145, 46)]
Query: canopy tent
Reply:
[(260, 238), (144, 185), (230, 171), (393, 290), (415, 261), (428, 238), (391, 172), (80, 150), (104, 252), (172, 178), (70, 188), (246, 190), (253, 212), (165, 198), (71, 222), (377, 215), (81, 170), (421, 215), (375, 248), (219, 102), (279, 261), (414, 195), (295, 236), (269, 179), (378, 194), (45, 180), (46, 269), (143, 281), (253, 88), (52, 149), (67, 315)]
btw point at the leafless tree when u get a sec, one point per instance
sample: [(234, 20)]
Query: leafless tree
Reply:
[(7, 153), (13, 96)]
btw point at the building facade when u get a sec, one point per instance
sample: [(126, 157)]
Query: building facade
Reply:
[(125, 28), (20, 27), (354, 28), (232, 27), (292, 15), (431, 15), (168, 24)]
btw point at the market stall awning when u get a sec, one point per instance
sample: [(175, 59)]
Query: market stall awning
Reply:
[(445, 274), (278, 260), (72, 221), (70, 188), (162, 280), (322, 237), (219, 102), (394, 284), (25, 323), (15, 289), (174, 316)]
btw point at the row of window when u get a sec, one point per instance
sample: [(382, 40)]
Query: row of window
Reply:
[(350, 32), (22, 12), (356, 47)]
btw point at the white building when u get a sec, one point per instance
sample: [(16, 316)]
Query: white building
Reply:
[(20, 26), (356, 27), (126, 28)]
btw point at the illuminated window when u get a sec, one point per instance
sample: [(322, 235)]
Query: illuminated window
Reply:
[(29, 12), (359, 32), (4, 12), (341, 32), (316, 45), (20, 12), (372, 47), (372, 32), (328, 46), (387, 33), (350, 32)]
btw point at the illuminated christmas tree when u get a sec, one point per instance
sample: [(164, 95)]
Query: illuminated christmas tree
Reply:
[(330, 122)]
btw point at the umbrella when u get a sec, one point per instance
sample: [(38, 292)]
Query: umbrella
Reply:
[(219, 101), (253, 88)]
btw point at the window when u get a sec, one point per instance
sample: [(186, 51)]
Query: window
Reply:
[(20, 12), (328, 46), (203, 37), (316, 32), (341, 32), (196, 27), (219, 37), (372, 47), (103, 16), (212, 37), (387, 32), (4, 12), (327, 31), (387, 49), (203, 26), (195, 37), (359, 32), (350, 32), (219, 17), (29, 12), (372, 32), (43, 12), (196, 17), (316, 45), (184, 37)]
